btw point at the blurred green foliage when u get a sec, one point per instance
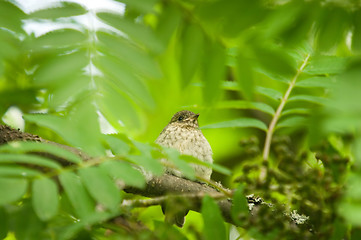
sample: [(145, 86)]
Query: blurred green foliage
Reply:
[(276, 84)]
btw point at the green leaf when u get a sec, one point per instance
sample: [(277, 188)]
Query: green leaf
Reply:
[(4, 223), (168, 21), (213, 72), (324, 82), (291, 122), (12, 189), (58, 39), (29, 227), (356, 35), (71, 231), (125, 172), (146, 160), (214, 228), (11, 16), (45, 198), (322, 64), (24, 147), (16, 171), (64, 66), (125, 80), (245, 76), (332, 27), (239, 104), (100, 187), (269, 92), (239, 205), (192, 52), (138, 32), (130, 54), (75, 128), (82, 203), (62, 9), (215, 167), (28, 159), (238, 123), (144, 6), (118, 146), (175, 157), (275, 63), (228, 85), (124, 110), (10, 45), (309, 98), (305, 111)]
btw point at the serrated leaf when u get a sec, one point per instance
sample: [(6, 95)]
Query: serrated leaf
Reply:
[(130, 54), (324, 82), (82, 203), (124, 110), (139, 33), (239, 104), (12, 189), (322, 64), (305, 111), (45, 198), (192, 52), (69, 91), (28, 159), (23, 147), (11, 16), (238, 123), (100, 187), (214, 228), (58, 39), (125, 79), (291, 122), (64, 66), (82, 117), (144, 6), (125, 172), (309, 98), (213, 71), (10, 45), (269, 92), (16, 171), (61, 9)]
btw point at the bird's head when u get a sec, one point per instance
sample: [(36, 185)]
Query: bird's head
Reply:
[(185, 119)]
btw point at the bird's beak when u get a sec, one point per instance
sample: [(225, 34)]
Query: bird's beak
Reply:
[(195, 117)]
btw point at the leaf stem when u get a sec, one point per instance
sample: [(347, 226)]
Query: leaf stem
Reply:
[(272, 125)]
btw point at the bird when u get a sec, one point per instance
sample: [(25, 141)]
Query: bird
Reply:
[(183, 134)]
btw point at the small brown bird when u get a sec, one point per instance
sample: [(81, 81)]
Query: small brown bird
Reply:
[(183, 134)]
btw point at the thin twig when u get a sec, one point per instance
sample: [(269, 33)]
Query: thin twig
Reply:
[(277, 115)]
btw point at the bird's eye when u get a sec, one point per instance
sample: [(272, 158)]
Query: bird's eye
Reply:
[(180, 118)]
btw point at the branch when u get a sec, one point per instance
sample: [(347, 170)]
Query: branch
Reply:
[(159, 188)]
